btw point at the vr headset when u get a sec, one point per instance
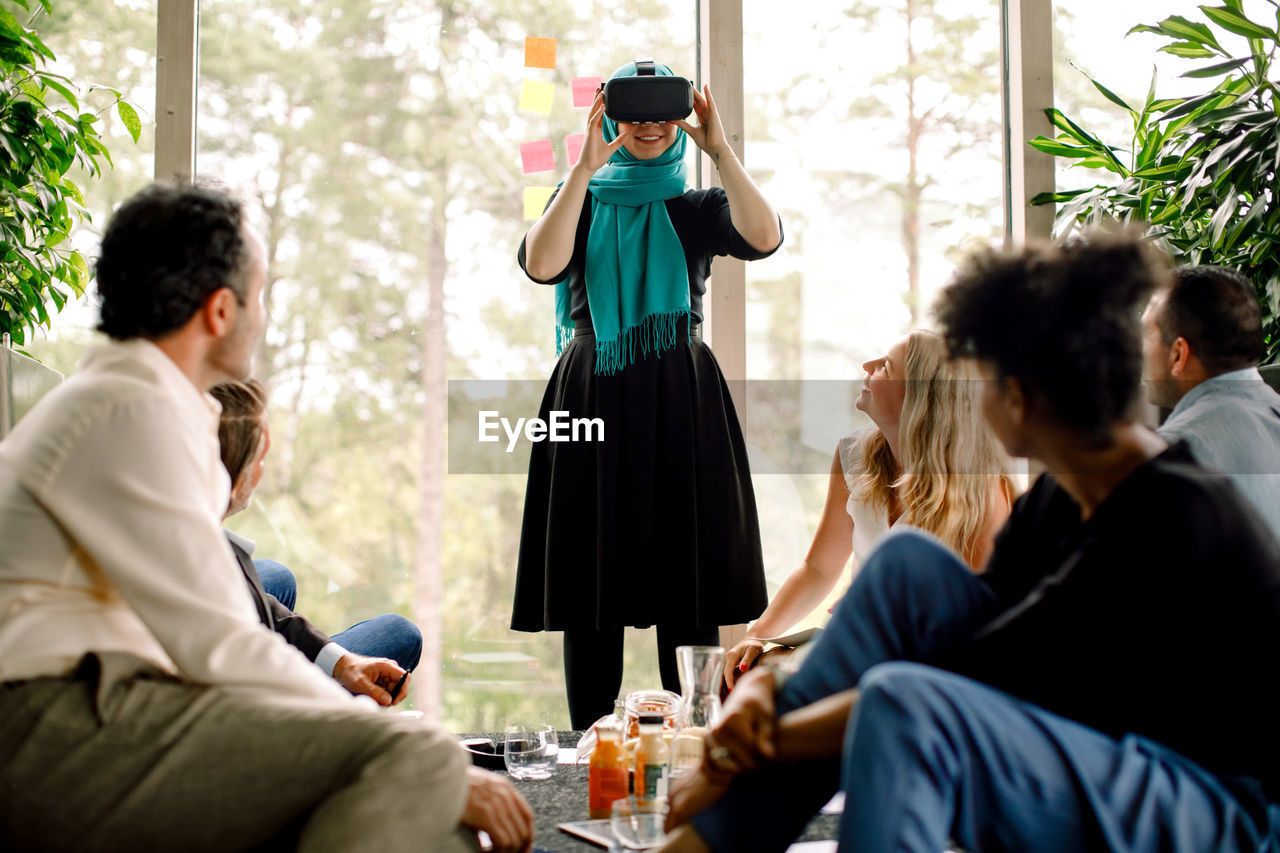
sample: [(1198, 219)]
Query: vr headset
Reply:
[(647, 97)]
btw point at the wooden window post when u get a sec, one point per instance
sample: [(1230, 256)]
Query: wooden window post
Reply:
[(177, 22)]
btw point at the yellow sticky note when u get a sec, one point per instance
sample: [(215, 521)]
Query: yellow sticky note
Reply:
[(539, 53), (535, 96), (535, 201)]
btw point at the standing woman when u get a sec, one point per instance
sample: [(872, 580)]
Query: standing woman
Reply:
[(656, 523)]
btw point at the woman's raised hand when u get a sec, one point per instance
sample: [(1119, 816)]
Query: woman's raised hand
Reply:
[(595, 151), (708, 134)]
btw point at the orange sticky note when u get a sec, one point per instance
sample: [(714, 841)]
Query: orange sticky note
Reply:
[(535, 201), (536, 96), (539, 53), (573, 146), (584, 90), (537, 156)]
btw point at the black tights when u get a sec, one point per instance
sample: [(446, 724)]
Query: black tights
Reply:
[(593, 666)]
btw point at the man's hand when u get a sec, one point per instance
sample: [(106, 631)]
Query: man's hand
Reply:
[(496, 807), (744, 736), (691, 794), (372, 677)]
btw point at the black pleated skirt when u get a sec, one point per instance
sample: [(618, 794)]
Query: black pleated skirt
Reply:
[(656, 523)]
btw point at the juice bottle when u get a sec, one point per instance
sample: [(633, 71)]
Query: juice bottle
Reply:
[(607, 779), (653, 763)]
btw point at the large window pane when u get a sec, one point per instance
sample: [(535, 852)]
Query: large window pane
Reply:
[(875, 130), (382, 140)]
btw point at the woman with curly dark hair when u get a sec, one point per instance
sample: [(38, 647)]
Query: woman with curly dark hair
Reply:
[(1102, 686)]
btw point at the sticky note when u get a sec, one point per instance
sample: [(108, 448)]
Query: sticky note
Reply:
[(584, 90), (573, 145), (535, 200), (539, 53), (535, 96), (537, 156)]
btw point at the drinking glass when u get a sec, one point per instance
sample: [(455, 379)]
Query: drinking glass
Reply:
[(638, 828), (531, 752), (701, 668)]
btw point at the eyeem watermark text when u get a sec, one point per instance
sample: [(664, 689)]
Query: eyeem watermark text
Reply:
[(560, 427)]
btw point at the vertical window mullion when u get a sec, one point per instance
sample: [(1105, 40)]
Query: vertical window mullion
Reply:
[(1027, 65), (176, 63)]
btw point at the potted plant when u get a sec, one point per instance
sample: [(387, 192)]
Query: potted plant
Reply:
[(43, 133), (1199, 172)]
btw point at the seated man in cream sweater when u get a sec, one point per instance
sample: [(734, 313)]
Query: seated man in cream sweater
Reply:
[(143, 706)]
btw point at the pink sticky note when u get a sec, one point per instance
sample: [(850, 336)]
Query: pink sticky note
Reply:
[(573, 145), (539, 52), (537, 156), (584, 90)]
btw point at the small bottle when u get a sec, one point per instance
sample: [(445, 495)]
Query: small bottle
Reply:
[(653, 763), (607, 779)]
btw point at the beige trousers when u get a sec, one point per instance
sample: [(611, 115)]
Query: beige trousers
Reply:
[(121, 756)]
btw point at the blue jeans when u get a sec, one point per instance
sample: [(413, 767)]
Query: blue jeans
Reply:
[(278, 581), (385, 636), (930, 756)]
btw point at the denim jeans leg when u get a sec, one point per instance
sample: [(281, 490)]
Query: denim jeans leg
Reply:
[(385, 636), (932, 757), (912, 597), (278, 581)]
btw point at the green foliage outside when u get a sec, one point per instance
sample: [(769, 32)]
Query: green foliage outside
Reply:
[(43, 134), (1200, 171)]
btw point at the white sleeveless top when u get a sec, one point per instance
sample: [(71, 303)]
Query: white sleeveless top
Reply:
[(869, 523)]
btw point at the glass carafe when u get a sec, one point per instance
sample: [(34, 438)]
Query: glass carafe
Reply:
[(701, 669)]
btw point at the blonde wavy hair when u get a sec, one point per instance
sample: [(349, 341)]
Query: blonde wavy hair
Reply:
[(948, 453)]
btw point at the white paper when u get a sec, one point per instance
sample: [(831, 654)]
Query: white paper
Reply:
[(569, 755), (797, 638)]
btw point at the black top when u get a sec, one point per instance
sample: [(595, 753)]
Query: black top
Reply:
[(1158, 616), (701, 221)]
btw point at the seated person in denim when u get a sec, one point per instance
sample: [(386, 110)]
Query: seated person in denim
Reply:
[(1103, 685), (1201, 343), (369, 658)]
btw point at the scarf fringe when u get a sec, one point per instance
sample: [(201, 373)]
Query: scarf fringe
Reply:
[(564, 334), (655, 333)]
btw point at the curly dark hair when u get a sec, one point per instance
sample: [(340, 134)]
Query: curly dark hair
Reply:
[(166, 251), (1062, 320), (1216, 310)]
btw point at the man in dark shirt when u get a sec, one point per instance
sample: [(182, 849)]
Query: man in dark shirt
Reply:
[(1103, 685)]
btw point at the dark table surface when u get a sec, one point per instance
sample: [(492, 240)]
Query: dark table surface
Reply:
[(563, 798)]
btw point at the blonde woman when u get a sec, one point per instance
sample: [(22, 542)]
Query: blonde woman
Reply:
[(928, 460)]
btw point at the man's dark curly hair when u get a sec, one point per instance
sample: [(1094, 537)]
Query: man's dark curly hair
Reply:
[(166, 251), (1216, 309), (1064, 321)]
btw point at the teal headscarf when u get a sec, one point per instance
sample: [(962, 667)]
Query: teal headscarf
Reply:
[(636, 276)]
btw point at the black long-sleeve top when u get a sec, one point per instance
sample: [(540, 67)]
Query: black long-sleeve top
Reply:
[(1158, 616)]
